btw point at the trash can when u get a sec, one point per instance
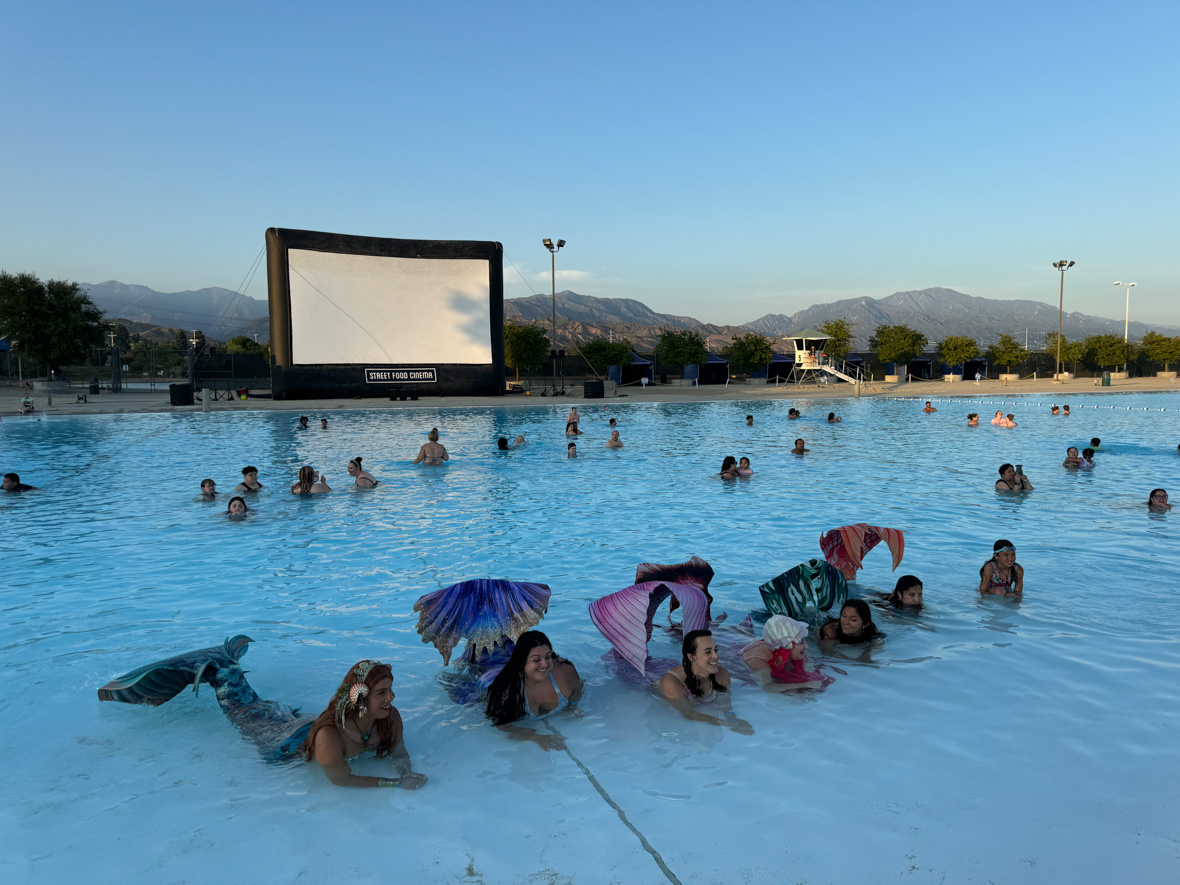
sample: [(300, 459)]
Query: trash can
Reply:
[(242, 392), (94, 387), (180, 394), (1106, 379), (593, 389)]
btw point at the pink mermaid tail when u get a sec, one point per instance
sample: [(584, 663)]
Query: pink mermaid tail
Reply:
[(625, 617), (694, 573), (846, 546)]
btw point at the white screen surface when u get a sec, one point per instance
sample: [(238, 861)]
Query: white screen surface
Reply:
[(351, 309)]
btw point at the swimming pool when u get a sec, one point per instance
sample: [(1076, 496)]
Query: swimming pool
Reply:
[(983, 740)]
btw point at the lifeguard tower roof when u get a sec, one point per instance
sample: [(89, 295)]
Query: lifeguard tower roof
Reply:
[(808, 339)]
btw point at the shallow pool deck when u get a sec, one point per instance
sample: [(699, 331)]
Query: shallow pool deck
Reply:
[(147, 401)]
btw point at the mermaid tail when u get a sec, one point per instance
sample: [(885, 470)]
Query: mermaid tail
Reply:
[(694, 573), (482, 611), (625, 618), (813, 583), (272, 727), (846, 546)]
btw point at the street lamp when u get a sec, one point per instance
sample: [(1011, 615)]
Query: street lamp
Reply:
[(1062, 266), (1127, 319), (553, 250)]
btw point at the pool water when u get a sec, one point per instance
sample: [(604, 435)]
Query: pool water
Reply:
[(984, 740)]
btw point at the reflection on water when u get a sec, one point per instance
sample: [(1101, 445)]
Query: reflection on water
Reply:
[(113, 565)]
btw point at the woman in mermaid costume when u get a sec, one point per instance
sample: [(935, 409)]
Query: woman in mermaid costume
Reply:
[(361, 714)]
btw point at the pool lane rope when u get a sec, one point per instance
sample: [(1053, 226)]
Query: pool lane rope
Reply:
[(647, 846), (991, 402)]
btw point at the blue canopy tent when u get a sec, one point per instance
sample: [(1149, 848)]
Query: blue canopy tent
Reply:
[(714, 370), (639, 368), (778, 369)]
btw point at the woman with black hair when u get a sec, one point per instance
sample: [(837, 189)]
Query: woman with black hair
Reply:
[(699, 687), (534, 683), (1002, 575), (855, 624), (907, 593)]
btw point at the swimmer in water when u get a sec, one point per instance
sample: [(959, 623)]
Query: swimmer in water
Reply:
[(729, 467), (237, 507), (432, 453), (249, 481), (1011, 420), (1001, 575), (303, 422), (833, 418), (1064, 411), (1072, 459), (793, 414), (749, 420), (907, 593), (799, 449), (1095, 442), (1011, 481), (519, 441), (855, 624), (12, 483), (1158, 501), (535, 682), (502, 444), (364, 479), (1087, 459), (744, 468), (973, 419), (361, 717), (999, 419), (613, 423), (209, 489), (614, 442), (700, 686), (310, 482), (1054, 411), (929, 408), (571, 451), (323, 424)]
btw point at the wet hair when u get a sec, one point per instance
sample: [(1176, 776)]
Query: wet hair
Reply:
[(691, 680), (1087, 454), (613, 422), (831, 415), (904, 583), (1004, 468), (996, 548), (800, 440), (971, 415), (1066, 406), (868, 630), (1073, 449), (236, 498), (433, 435), (207, 482), (14, 478), (506, 698), (749, 417), (502, 443), (1011, 416), (1095, 442), (306, 479), (249, 469), (383, 729), (302, 419), (357, 462), (728, 462), (744, 458), (1152, 495), (571, 446)]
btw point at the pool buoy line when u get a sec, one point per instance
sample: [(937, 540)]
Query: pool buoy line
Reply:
[(1003, 402), (647, 846)]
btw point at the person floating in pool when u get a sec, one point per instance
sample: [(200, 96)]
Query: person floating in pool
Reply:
[(744, 467), (729, 468), (973, 419), (907, 593), (361, 717), (1158, 501), (249, 481), (614, 442), (1072, 459), (1002, 575), (433, 453), (833, 418), (12, 483), (237, 507), (208, 490), (700, 686), (800, 448), (1095, 443), (535, 682), (310, 482), (364, 479), (855, 624), (1012, 479), (929, 408)]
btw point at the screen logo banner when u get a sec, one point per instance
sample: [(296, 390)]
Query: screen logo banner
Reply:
[(401, 376)]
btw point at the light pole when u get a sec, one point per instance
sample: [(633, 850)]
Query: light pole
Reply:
[(1062, 266), (1127, 319), (553, 250)]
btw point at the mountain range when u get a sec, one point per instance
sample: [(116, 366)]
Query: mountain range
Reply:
[(936, 313)]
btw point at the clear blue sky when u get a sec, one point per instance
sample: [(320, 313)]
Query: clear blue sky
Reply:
[(722, 161)]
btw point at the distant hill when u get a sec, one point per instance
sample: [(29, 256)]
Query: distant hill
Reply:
[(219, 313)]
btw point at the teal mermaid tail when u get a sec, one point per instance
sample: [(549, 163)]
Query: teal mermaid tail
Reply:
[(272, 727), (814, 583)]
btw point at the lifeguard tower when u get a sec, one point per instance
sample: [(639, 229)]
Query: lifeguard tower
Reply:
[(811, 362)]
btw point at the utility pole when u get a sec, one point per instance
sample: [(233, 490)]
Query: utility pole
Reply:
[(192, 352)]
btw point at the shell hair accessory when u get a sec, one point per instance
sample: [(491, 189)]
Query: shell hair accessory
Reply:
[(353, 692)]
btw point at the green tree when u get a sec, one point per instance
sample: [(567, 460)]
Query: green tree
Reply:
[(748, 351), (599, 353), (54, 322), (525, 347), (1110, 350), (685, 347), (897, 344), (1160, 348), (1007, 352), (957, 350), (1073, 352), (243, 344), (839, 334)]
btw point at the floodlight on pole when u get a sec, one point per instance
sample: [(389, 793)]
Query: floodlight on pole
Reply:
[(1063, 265), (548, 244), (1127, 318)]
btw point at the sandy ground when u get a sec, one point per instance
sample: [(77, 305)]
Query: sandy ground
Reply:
[(63, 403)]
